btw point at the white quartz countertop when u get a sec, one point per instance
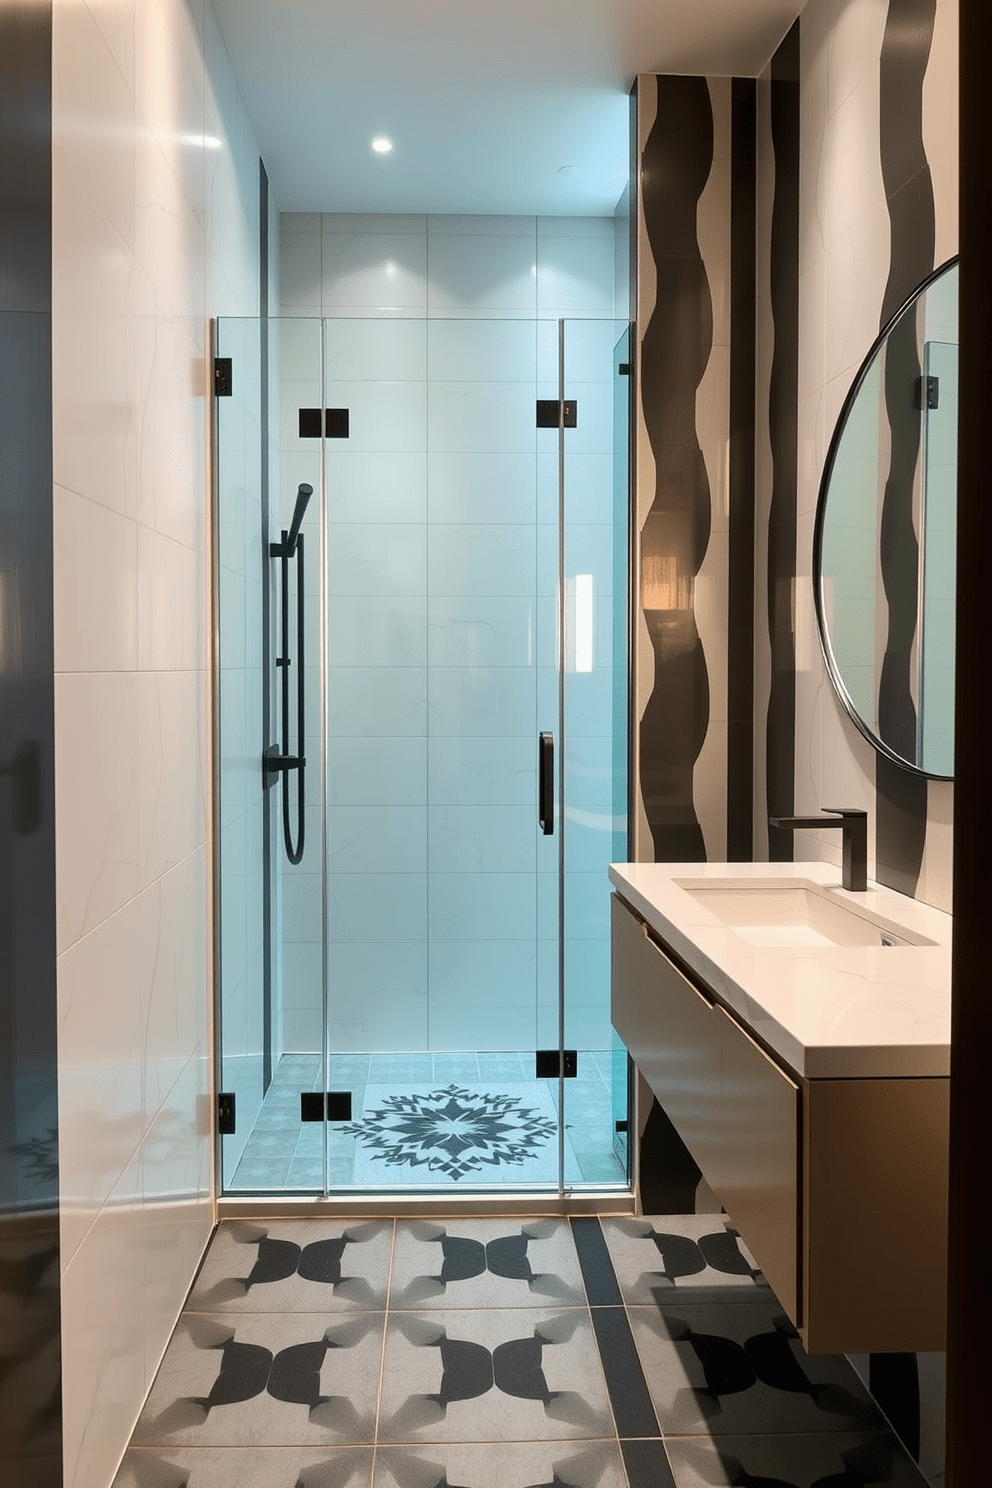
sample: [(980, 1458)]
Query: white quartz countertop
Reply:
[(828, 1012)]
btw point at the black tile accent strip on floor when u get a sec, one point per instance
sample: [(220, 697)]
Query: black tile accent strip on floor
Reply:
[(629, 1395), (602, 1287), (647, 1464)]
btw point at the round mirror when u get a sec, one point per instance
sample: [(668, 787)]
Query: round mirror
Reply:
[(884, 538)]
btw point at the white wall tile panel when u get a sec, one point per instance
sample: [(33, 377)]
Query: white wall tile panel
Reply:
[(155, 178)]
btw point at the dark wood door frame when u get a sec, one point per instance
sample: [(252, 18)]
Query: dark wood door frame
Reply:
[(969, 1366)]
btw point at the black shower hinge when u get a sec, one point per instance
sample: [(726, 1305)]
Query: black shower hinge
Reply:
[(623, 368), (927, 392), (325, 1105), (226, 1113), (553, 1064), (223, 377), (557, 413)]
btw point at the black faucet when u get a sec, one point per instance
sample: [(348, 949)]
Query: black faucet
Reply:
[(854, 825)]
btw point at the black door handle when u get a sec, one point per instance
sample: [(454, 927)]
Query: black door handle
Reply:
[(546, 782)]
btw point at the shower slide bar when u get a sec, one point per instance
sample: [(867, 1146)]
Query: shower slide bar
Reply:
[(278, 761)]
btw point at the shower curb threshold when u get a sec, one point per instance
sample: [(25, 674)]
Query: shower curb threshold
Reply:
[(414, 1206)]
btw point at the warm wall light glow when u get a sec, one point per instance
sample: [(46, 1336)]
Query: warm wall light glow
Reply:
[(382, 145), (583, 622)]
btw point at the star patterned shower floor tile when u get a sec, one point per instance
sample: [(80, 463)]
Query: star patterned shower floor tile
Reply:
[(501, 1375), (285, 1266), (485, 1263), (455, 1133), (278, 1379)]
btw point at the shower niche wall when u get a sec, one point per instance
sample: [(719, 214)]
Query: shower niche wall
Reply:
[(421, 1001)]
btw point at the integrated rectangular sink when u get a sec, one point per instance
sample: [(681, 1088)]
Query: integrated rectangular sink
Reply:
[(797, 913)]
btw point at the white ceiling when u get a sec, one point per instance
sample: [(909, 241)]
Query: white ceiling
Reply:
[(485, 102)]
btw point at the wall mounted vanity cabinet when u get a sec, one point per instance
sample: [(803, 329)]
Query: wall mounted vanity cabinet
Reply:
[(826, 1146)]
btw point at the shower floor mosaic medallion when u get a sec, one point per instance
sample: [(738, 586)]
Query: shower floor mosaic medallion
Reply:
[(454, 1132)]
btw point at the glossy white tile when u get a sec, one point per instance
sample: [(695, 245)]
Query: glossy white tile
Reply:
[(471, 272), (373, 270), (96, 580)]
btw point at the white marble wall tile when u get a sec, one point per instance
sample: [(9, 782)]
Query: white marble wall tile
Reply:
[(378, 772), (378, 995), (377, 630), (376, 838), (575, 275), (482, 350), (472, 486), (155, 228), (96, 572), (372, 271), (103, 1344), (300, 274), (490, 632), (376, 701), (172, 720), (492, 273), (172, 627), (482, 839), (475, 975), (375, 350), (97, 789), (377, 906), (496, 561), (385, 559)]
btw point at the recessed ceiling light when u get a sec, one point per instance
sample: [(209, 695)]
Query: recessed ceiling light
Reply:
[(381, 145)]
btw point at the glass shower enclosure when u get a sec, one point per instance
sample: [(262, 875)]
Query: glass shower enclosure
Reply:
[(421, 553)]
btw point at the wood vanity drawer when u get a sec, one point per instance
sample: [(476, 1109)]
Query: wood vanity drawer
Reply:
[(672, 1032), (756, 1175)]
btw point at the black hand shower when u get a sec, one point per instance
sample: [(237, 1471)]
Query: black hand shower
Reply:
[(274, 760), (302, 501)]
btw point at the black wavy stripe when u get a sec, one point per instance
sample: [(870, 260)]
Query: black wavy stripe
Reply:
[(783, 430), (901, 806), (675, 166)]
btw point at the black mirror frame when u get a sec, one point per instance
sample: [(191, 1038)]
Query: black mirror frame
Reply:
[(826, 649)]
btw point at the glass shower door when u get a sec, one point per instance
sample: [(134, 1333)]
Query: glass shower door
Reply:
[(402, 1024), (593, 526)]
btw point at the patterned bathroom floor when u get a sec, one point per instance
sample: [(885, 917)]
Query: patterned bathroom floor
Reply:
[(432, 1120), (498, 1353)]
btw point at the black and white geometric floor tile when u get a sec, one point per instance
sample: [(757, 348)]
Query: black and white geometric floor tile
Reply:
[(516, 1465), (692, 1257), (279, 1266), (803, 1461), (246, 1467), (482, 1263), (496, 1375), (727, 1370), (292, 1379)]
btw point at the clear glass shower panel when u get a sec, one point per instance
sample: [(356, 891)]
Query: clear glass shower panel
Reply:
[(432, 665), (594, 731), (395, 922)]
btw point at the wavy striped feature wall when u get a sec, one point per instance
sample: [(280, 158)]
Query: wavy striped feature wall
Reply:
[(695, 485), (862, 157), (901, 806)]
